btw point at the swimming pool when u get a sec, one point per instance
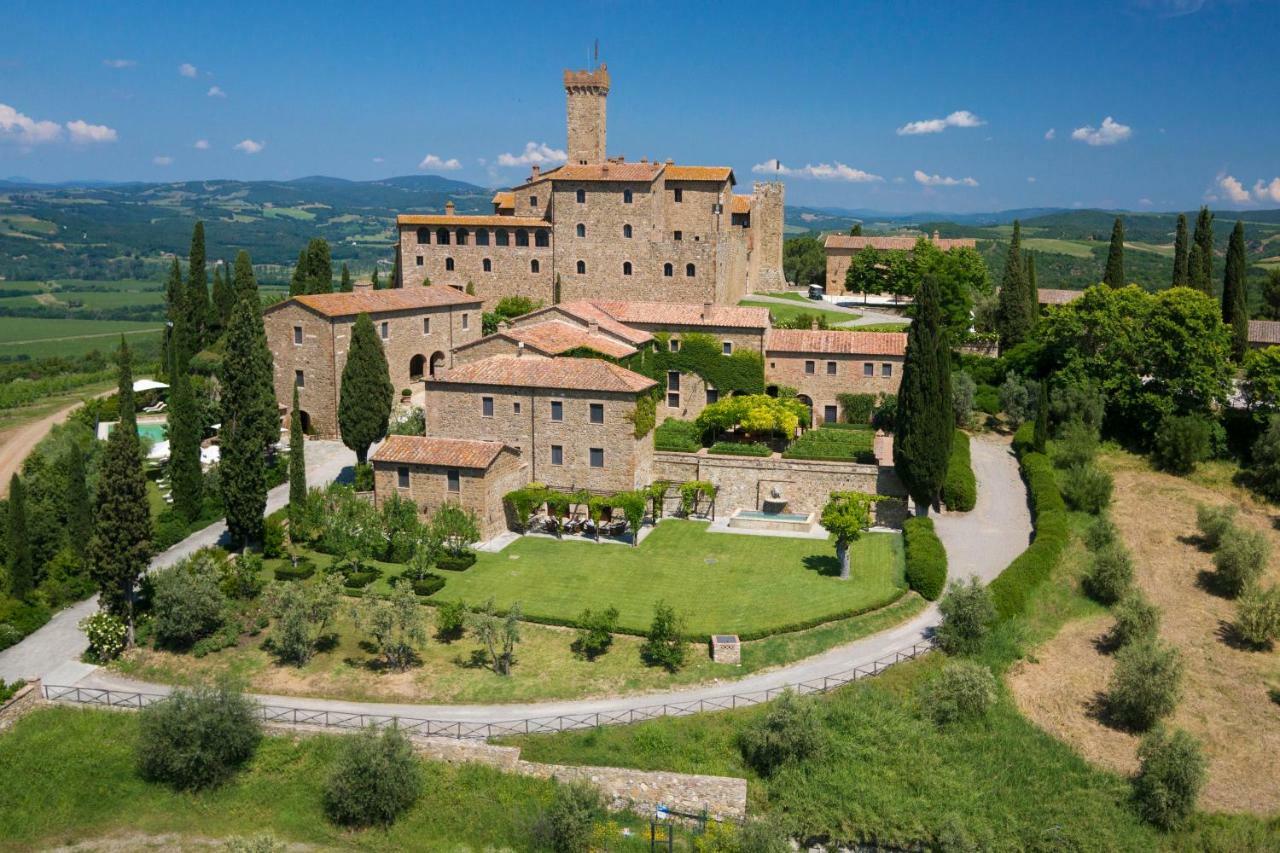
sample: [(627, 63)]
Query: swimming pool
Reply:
[(153, 431)]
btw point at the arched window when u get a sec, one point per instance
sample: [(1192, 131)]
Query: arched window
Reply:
[(482, 237), (522, 237), (626, 267), (582, 196), (582, 230), (582, 267), (424, 235), (488, 265), (462, 236), (533, 265), (689, 271), (542, 238), (626, 196), (668, 270), (626, 231), (442, 236), (448, 264), (503, 239)]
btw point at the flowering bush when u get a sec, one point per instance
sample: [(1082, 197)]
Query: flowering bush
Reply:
[(106, 635)]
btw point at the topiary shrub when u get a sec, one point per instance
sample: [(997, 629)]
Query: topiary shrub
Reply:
[(1213, 522), (1077, 445), (1258, 617), (789, 731), (1137, 620), (567, 825), (1110, 574), (298, 571), (196, 738), (926, 558), (963, 690), (1145, 685), (456, 562), (729, 448), (967, 615), (664, 644), (428, 584), (1087, 488), (1240, 560), (960, 488), (1172, 770), (375, 779), (1182, 442)]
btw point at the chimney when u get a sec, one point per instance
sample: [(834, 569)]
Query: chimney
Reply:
[(519, 348), (593, 326), (670, 161), (706, 310), (813, 324), (535, 173), (644, 159), (362, 286), (449, 208)]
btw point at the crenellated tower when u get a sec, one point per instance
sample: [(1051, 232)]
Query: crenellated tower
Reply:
[(768, 207), (586, 92)]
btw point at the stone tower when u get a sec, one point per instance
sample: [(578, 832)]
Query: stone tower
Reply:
[(767, 220), (586, 92)]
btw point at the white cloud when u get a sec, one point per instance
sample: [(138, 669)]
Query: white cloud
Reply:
[(534, 152), (20, 128), (1233, 189), (216, 92), (201, 145), (249, 146), (1109, 133), (1050, 133), (1145, 202), (1267, 192), (821, 172), (85, 133), (162, 160), (1031, 179), (119, 63), (940, 181), (959, 118), (377, 159), (439, 164), (186, 69)]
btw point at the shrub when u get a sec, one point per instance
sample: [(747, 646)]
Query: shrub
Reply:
[(1265, 469), (962, 690), (568, 823), (1024, 439), (986, 399), (456, 562), (1078, 403), (1181, 443), (1101, 532), (789, 731), (1258, 616), (241, 578), (1171, 772), (186, 602), (678, 435), (1240, 560), (428, 584), (1213, 522), (1110, 574), (196, 738), (960, 489), (885, 416), (1145, 685), (375, 779), (1019, 398), (451, 619), (1137, 620), (302, 613), (298, 571), (273, 538), (963, 392), (1012, 589), (106, 634), (967, 614), (361, 579), (1087, 488), (1076, 446), (926, 559), (664, 644), (8, 691), (856, 408), (595, 632), (364, 478), (729, 448), (456, 529)]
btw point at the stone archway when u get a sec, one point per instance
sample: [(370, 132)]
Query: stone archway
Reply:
[(417, 367), (437, 363)]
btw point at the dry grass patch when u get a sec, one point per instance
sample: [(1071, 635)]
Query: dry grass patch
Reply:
[(1225, 702)]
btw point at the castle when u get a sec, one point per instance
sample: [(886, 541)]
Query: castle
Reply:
[(602, 227)]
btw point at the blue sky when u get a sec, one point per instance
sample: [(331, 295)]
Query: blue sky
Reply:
[(901, 106)]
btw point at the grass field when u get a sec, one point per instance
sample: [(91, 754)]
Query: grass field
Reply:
[(1074, 248), (1163, 250), (786, 312), (39, 338), (88, 299), (290, 212)]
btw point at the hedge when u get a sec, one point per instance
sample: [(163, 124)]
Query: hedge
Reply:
[(680, 436), (300, 572), (728, 448), (926, 558), (835, 442), (429, 584), (461, 562), (960, 490), (856, 409), (1012, 589), (359, 580), (1024, 440), (837, 425)]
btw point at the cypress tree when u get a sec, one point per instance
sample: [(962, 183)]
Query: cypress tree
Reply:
[(1040, 436), (175, 309), (1033, 289), (79, 509), (319, 267), (345, 286), (223, 296), (184, 445), (555, 290), (243, 283), (396, 280), (297, 462), (128, 418), (364, 405), (1235, 295), (298, 284), (925, 421), (1181, 278), (1114, 274), (121, 545), (1200, 261), (856, 230), (21, 569), (376, 285), (198, 308), (1014, 316)]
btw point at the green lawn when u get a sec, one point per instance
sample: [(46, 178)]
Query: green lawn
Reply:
[(39, 338), (786, 312), (720, 583)]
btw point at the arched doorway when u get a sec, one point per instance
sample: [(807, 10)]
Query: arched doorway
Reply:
[(305, 417), (437, 362), (417, 365), (804, 398)]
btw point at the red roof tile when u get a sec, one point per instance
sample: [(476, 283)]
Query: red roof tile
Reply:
[(844, 241), (470, 221), (741, 204), (605, 172), (835, 341), (425, 450), (586, 311), (698, 173), (1263, 331), (586, 374), (686, 314), (556, 336), (379, 301)]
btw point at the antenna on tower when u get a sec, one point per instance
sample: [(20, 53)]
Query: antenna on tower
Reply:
[(595, 56)]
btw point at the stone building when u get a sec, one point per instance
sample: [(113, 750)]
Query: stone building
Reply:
[(605, 228), (309, 335), (822, 365), (841, 248)]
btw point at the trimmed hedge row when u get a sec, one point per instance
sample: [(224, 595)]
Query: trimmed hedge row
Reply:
[(300, 572), (729, 448), (680, 436), (960, 489), (926, 558), (430, 584), (1024, 440), (834, 442), (460, 563), (1029, 569)]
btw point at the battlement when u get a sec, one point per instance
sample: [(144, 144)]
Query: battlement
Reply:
[(595, 80)]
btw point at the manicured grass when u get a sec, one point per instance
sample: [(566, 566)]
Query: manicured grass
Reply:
[(786, 312), (722, 583), (40, 338), (790, 294)]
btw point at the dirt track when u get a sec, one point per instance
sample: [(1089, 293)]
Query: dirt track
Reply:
[(16, 443)]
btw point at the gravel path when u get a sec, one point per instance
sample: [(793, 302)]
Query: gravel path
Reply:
[(865, 316)]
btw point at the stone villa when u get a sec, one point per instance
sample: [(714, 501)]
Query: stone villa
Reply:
[(841, 248)]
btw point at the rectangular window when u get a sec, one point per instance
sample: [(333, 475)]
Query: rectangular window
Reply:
[(596, 456), (419, 259), (533, 201), (466, 321), (297, 334), (673, 380), (831, 368), (597, 413), (557, 410), (810, 367), (868, 369), (726, 348), (674, 345), (829, 414), (455, 480), (402, 477), (713, 396), (677, 235), (385, 330), (886, 370), (426, 325), (679, 195), (515, 407), (673, 400), (486, 406), (557, 454), (299, 380)]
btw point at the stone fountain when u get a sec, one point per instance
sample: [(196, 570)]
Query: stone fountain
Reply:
[(775, 503)]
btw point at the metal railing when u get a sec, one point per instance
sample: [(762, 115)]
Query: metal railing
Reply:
[(288, 715)]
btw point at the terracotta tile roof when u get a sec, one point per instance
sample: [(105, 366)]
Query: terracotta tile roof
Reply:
[(504, 199), (741, 204), (698, 173), (556, 336), (1263, 331), (583, 374), (380, 301), (469, 221), (587, 311), (425, 450), (687, 314), (1049, 296), (605, 172), (844, 241), (834, 341)]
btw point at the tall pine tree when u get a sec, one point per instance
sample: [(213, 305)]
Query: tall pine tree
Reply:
[(298, 284), (1235, 293), (184, 445), (1200, 260), (198, 309), (243, 283), (1181, 278), (926, 419), (345, 285), (21, 567), (223, 296), (297, 463), (319, 267), (1113, 276), (121, 546), (128, 416), (364, 404), (79, 508), (1015, 315), (396, 279), (376, 285)]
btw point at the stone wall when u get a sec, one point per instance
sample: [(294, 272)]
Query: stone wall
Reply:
[(823, 387), (767, 225), (511, 267), (480, 491), (26, 700)]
